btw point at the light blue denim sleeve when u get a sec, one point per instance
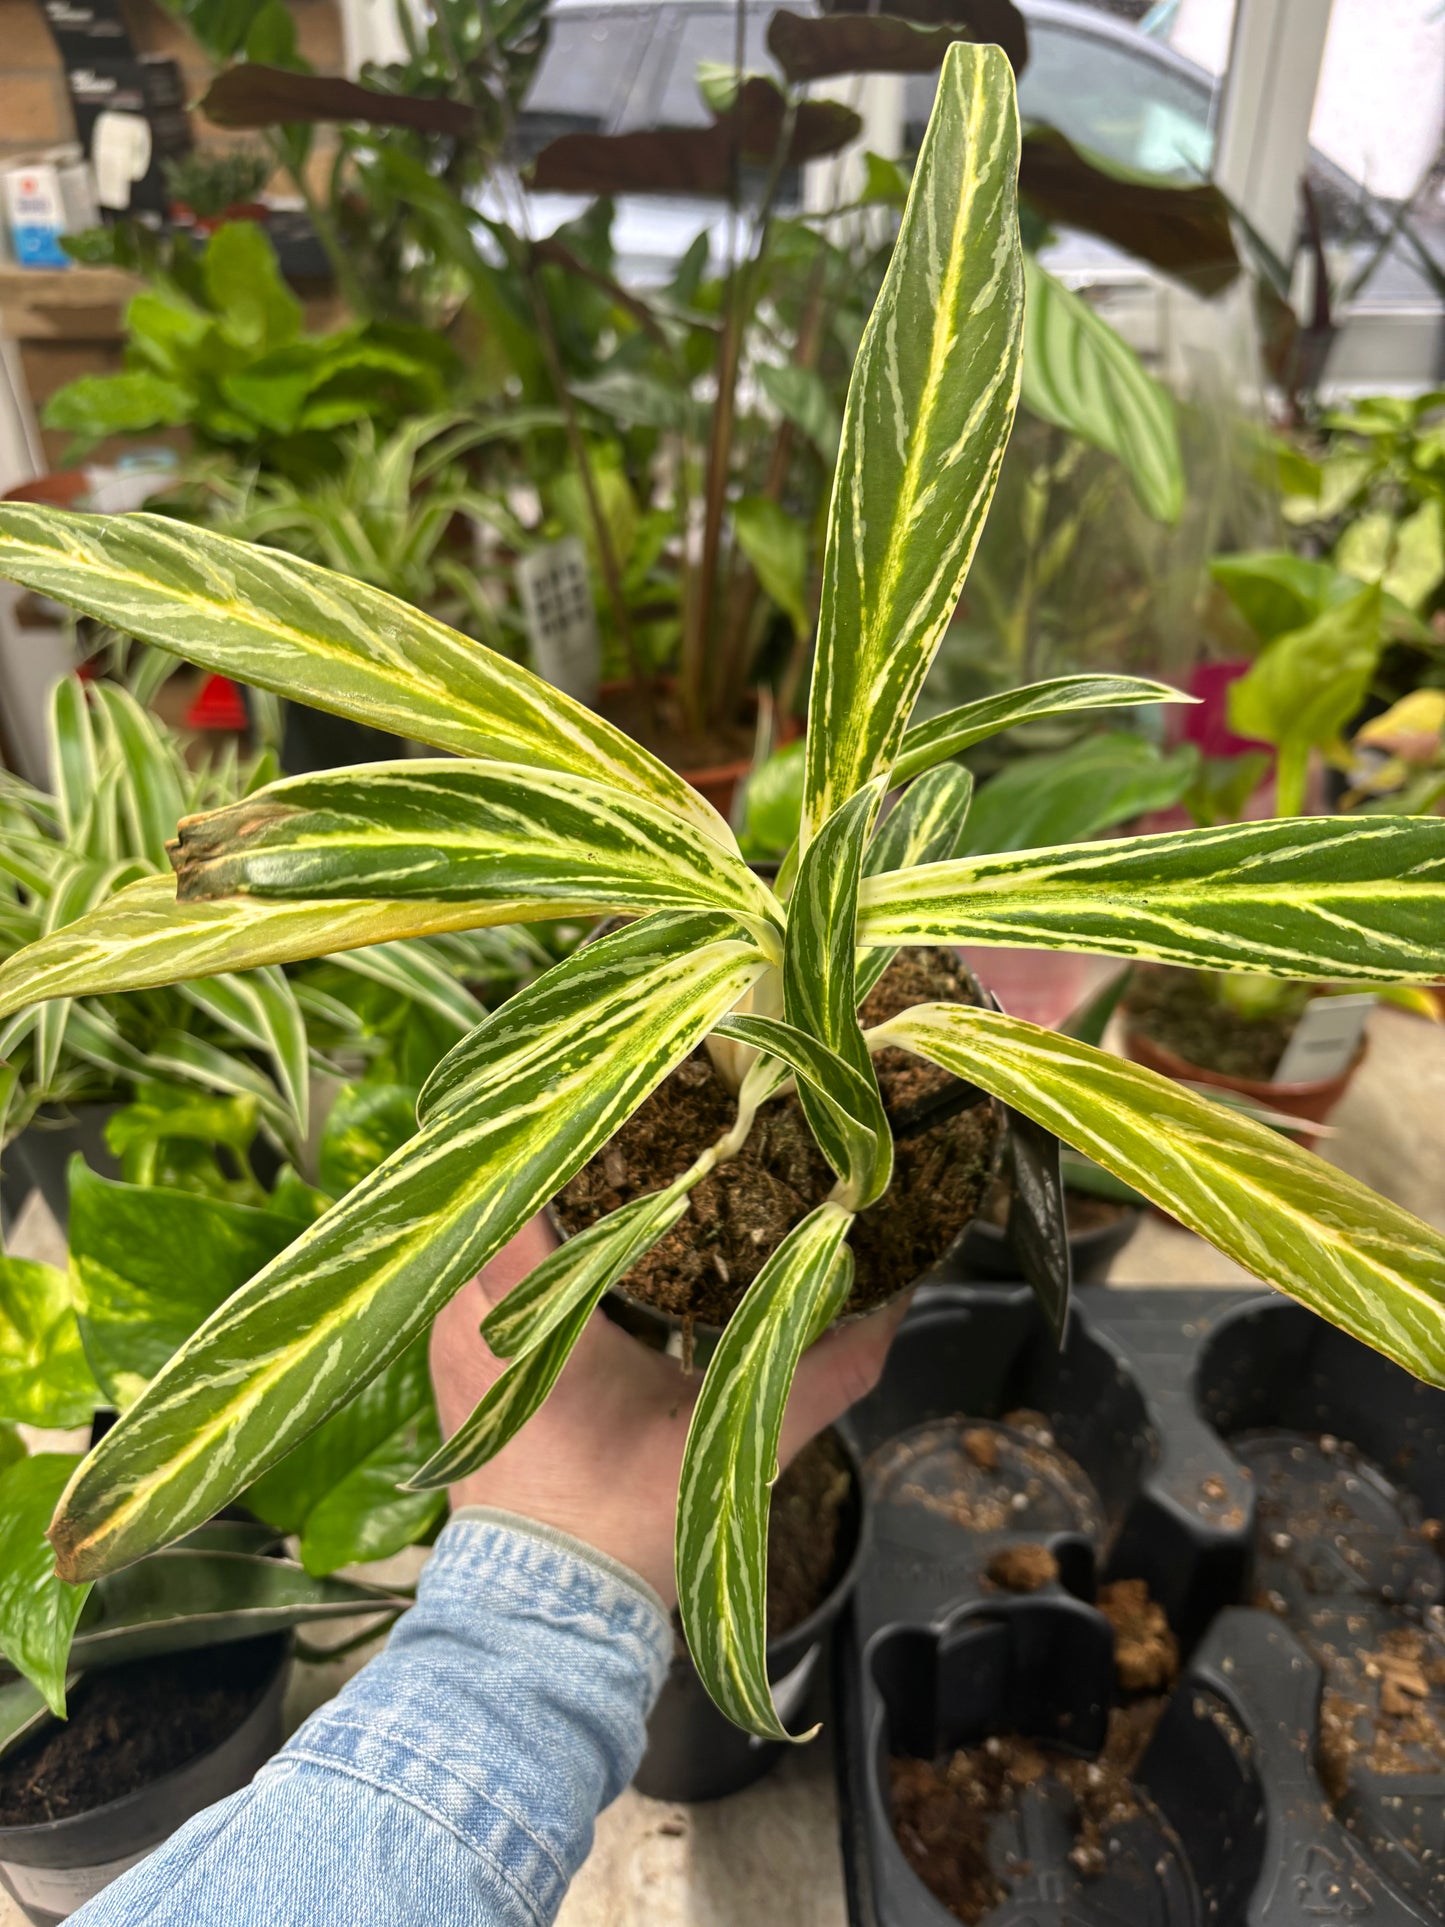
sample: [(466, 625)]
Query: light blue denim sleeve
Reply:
[(455, 1780)]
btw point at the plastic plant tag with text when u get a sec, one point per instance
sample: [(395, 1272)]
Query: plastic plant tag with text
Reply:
[(1325, 1041), (557, 602)]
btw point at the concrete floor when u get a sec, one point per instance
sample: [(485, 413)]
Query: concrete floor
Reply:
[(769, 1856)]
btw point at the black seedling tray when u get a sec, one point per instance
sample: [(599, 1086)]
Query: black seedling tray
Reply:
[(1277, 1487)]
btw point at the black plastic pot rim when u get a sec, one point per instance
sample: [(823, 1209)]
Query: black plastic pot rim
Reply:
[(14, 1839)]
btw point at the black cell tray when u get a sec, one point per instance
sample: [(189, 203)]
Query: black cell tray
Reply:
[(1198, 1427)]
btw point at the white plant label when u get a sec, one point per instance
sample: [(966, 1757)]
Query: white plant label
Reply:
[(556, 593), (1325, 1040)]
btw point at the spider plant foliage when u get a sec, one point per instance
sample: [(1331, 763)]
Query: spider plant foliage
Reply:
[(544, 810)]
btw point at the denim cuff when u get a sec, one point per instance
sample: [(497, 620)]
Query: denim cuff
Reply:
[(511, 1702), (579, 1549)]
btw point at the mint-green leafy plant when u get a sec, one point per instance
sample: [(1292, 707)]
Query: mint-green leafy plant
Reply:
[(545, 810)]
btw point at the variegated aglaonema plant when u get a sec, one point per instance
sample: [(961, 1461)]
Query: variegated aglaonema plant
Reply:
[(545, 810)]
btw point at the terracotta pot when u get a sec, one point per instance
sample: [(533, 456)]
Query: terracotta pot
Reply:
[(1311, 1103), (718, 782)]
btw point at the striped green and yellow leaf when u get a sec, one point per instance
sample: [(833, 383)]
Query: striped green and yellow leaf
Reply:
[(731, 1460), (959, 729), (1283, 1213), (539, 1334), (578, 1271), (820, 990), (282, 624), (142, 937), (517, 1108), (924, 826), (929, 411), (1315, 898), (453, 831), (846, 1110)]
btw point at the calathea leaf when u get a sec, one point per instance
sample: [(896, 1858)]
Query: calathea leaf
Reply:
[(1282, 1213), (143, 938), (460, 831), (508, 1117), (189, 1597), (929, 411), (1080, 374), (282, 624), (38, 1611), (44, 1379), (540, 1332), (924, 826), (820, 991), (731, 1460), (1316, 898), (959, 729)]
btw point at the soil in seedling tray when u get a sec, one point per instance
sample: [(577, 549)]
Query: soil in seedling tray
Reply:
[(1348, 1559), (975, 1824), (742, 1211), (1180, 1010), (130, 1724), (1008, 1475)]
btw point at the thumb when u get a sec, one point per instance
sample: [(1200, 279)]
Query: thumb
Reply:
[(844, 1366)]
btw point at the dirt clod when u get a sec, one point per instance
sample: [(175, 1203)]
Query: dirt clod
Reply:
[(944, 1811), (1146, 1653), (981, 1445), (1023, 1568)]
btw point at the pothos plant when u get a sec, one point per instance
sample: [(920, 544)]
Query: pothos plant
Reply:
[(545, 809)]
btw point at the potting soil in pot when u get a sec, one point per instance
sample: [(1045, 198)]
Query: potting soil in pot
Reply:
[(741, 1212), (130, 1724), (804, 1522), (1180, 1010)]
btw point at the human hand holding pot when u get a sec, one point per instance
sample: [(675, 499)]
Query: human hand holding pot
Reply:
[(601, 1459)]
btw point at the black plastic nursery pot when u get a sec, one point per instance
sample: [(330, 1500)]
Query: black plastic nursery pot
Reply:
[(1151, 1628), (53, 1867), (693, 1751), (40, 1156), (987, 1252)]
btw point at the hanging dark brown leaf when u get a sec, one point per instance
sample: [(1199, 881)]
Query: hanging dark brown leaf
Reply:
[(816, 47), (997, 20), (695, 160), (250, 95), (1184, 231)]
